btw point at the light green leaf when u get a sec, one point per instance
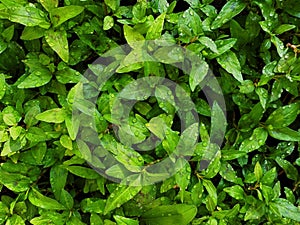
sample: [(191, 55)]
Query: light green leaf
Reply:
[(281, 49), (284, 134), (29, 16), (2, 85), (15, 219), (208, 43), (113, 4), (229, 10), (49, 4), (212, 191), (180, 214), (41, 201), (92, 205), (231, 64), (108, 22), (57, 40), (156, 28), (32, 33), (257, 139), (290, 171), (83, 172), (263, 96), (286, 209), (37, 78), (56, 115), (62, 14), (214, 166), (256, 211), (58, 179), (235, 191), (119, 196), (158, 127), (10, 116), (283, 116), (258, 172), (198, 72), (125, 221), (14, 181)]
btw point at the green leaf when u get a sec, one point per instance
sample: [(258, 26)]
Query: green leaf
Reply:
[(49, 4), (158, 127), (198, 72), (125, 221), (208, 43), (56, 115), (269, 177), (154, 32), (231, 64), (212, 191), (37, 78), (292, 8), (263, 96), (283, 116), (119, 196), (62, 14), (2, 85), (290, 171), (180, 214), (15, 219), (108, 22), (29, 16), (41, 201), (229, 174), (58, 179), (214, 166), (32, 33), (228, 11), (113, 4), (286, 209), (10, 116), (257, 139), (83, 172), (256, 211), (14, 181), (258, 172), (66, 199), (284, 134), (133, 37), (235, 191), (57, 40), (284, 28), (92, 205)]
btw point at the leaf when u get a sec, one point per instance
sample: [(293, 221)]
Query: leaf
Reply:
[(37, 78), (231, 64), (154, 32), (133, 37), (286, 209), (158, 127), (180, 214), (208, 43), (263, 96), (57, 40), (283, 116), (49, 4), (56, 115), (108, 22), (41, 201), (218, 123), (29, 16), (58, 179), (119, 196), (284, 28), (2, 85), (10, 116), (32, 33), (228, 11), (214, 166), (92, 205), (198, 72), (83, 172), (284, 134), (212, 191), (113, 4), (292, 8), (290, 171), (258, 172), (62, 14), (125, 221), (235, 191), (14, 181), (256, 211), (257, 139)]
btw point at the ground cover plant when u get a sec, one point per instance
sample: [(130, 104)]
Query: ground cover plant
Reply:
[(52, 169)]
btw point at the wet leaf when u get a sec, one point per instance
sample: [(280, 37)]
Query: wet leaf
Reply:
[(57, 40), (62, 14), (56, 115)]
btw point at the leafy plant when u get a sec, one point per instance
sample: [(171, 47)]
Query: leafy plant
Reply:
[(48, 167)]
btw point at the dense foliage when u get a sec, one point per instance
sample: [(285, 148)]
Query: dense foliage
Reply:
[(250, 46)]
